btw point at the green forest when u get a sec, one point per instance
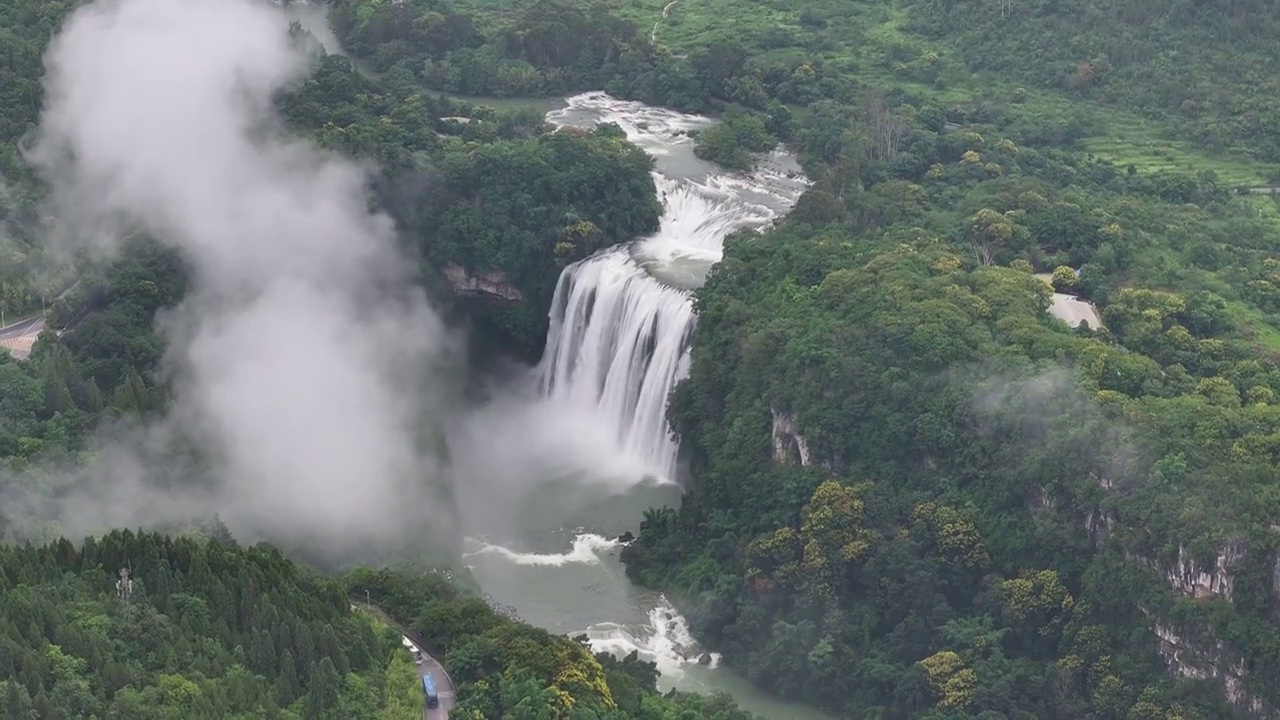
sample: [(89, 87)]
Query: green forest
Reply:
[(914, 493), (200, 627)]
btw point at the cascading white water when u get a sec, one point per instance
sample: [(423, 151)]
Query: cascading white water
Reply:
[(622, 318), (666, 641), (617, 342)]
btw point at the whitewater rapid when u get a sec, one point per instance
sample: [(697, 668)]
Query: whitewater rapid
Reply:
[(621, 319), (663, 639), (666, 641), (585, 549)]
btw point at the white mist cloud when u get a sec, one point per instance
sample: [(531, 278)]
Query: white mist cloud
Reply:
[(299, 357), (515, 452)]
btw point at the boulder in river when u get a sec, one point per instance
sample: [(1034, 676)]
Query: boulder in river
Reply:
[(626, 537), (704, 659)]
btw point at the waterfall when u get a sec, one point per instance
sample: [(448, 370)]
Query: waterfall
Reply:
[(621, 319), (618, 342)]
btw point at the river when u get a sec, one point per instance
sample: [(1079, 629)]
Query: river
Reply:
[(569, 454)]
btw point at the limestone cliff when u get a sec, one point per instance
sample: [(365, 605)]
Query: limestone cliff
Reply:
[(492, 285)]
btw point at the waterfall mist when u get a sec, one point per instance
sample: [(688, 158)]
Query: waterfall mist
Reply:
[(299, 359)]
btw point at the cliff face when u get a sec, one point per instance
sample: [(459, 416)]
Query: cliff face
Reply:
[(1208, 660), (1099, 524), (1189, 579), (491, 285), (788, 444), (504, 320), (1195, 651)]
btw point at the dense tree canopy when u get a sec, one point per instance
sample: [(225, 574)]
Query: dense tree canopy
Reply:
[(499, 198), (203, 629), (244, 632), (1131, 55), (914, 493)]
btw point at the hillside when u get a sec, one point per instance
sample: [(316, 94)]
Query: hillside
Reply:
[(204, 628), (914, 493), (801, 70), (1203, 68)]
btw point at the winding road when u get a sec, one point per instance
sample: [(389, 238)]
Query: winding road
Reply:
[(18, 337), (666, 12), (428, 666)]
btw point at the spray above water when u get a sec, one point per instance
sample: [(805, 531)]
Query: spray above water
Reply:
[(586, 549), (297, 358), (665, 641)]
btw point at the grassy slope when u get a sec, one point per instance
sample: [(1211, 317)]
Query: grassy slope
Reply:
[(859, 37)]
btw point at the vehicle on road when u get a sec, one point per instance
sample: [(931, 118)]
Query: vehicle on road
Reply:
[(429, 690)]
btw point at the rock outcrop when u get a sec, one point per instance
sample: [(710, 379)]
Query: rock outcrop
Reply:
[(1099, 524), (788, 444), (1189, 579), (1207, 661), (1193, 650), (493, 285)]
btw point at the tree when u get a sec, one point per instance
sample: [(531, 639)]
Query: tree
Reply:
[(988, 232), (833, 537), (16, 702), (1064, 279), (323, 685), (952, 681), (1038, 606), (287, 687), (887, 129)]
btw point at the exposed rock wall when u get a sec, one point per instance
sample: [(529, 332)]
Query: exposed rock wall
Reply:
[(494, 285), (1207, 661), (1189, 579), (788, 444), (1194, 652), (1099, 524)]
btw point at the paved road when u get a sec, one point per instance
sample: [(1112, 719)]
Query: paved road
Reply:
[(1071, 310), (430, 666), (20, 336), (23, 327), (444, 685)]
